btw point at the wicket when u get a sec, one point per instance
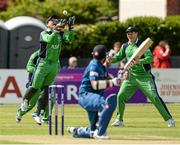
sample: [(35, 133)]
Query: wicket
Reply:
[(53, 98)]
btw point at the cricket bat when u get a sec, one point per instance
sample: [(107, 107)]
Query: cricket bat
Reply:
[(139, 52)]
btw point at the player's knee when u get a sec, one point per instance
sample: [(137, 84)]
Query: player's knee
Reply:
[(45, 90), (111, 102), (32, 89), (153, 96), (121, 98), (44, 93), (157, 99)]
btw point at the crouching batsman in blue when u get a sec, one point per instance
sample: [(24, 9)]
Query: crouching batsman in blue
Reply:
[(99, 109)]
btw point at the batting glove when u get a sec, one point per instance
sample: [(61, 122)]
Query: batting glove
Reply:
[(116, 81), (122, 74)]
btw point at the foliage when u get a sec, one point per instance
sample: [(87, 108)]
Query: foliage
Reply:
[(85, 11), (94, 33), (109, 32)]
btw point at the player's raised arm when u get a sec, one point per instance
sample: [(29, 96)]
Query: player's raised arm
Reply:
[(69, 35)]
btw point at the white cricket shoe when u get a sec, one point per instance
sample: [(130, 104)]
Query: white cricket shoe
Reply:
[(118, 123), (171, 123), (71, 129), (37, 119), (96, 136), (18, 118), (24, 106)]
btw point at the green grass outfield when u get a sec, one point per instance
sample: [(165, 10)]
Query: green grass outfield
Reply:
[(143, 124)]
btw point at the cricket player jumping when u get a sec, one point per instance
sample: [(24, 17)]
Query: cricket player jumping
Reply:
[(140, 77), (48, 63)]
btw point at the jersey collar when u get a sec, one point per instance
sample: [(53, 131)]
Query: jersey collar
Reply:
[(97, 61), (133, 43), (48, 30)]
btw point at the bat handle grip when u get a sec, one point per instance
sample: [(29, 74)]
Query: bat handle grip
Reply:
[(126, 68)]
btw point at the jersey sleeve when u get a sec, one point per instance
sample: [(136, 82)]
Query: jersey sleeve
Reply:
[(32, 62), (120, 55), (148, 58), (46, 37), (69, 36), (93, 73)]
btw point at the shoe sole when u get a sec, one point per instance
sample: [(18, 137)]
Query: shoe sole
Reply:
[(117, 125), (39, 123), (101, 138), (68, 130), (171, 126), (18, 120)]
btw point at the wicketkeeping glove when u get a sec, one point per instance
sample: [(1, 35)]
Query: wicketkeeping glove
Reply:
[(71, 21), (60, 25)]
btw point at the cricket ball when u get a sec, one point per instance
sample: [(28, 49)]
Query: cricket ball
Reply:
[(65, 12)]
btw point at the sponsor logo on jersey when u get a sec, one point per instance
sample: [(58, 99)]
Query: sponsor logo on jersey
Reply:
[(55, 46), (93, 73)]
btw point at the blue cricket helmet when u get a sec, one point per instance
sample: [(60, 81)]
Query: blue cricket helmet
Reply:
[(99, 51)]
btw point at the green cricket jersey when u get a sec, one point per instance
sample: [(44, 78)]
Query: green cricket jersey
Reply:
[(140, 77), (51, 44), (127, 51), (48, 65)]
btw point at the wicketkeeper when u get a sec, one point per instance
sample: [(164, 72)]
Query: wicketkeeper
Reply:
[(48, 63)]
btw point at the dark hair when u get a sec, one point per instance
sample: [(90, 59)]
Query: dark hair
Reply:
[(117, 44), (52, 17)]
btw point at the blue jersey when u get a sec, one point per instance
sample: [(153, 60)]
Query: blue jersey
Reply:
[(94, 71)]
